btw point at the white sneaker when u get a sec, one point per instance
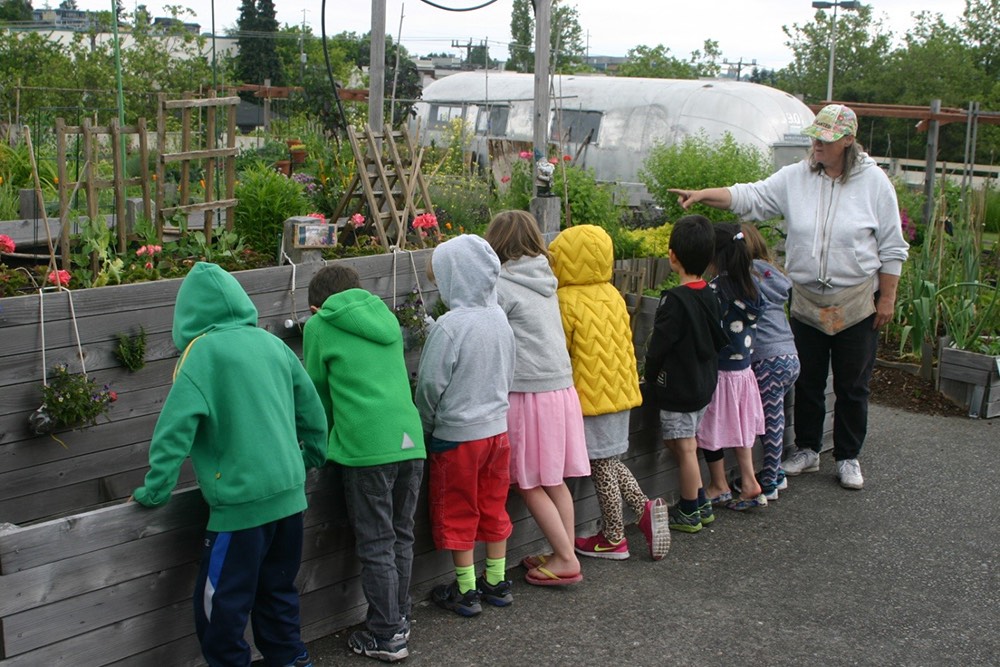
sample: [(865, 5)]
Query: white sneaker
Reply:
[(849, 474), (803, 460)]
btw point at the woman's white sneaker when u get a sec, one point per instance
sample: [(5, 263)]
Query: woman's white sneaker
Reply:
[(849, 474), (803, 460)]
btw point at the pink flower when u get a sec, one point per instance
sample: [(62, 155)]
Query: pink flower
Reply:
[(524, 155), (112, 396), (357, 220), (6, 244), (317, 216), (149, 265), (505, 179), (552, 160), (148, 250), (425, 221), (60, 277)]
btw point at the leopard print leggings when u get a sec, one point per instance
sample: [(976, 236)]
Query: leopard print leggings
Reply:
[(612, 482)]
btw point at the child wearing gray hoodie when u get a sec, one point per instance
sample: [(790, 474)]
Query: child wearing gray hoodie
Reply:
[(465, 374)]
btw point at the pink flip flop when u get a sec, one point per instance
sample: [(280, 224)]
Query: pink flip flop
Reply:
[(531, 562), (552, 579)]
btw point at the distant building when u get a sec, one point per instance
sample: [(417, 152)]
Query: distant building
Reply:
[(81, 20), (609, 64)]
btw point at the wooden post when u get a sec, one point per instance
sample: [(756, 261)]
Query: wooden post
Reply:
[(144, 169), (231, 168), (543, 15), (209, 167), (376, 70), (90, 149), (63, 192), (185, 164), (932, 145), (161, 168)]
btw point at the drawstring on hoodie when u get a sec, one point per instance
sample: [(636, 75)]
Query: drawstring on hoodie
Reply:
[(824, 233)]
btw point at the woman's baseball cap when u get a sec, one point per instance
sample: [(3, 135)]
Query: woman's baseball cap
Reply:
[(833, 122)]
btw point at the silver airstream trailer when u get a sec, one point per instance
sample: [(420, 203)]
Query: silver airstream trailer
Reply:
[(609, 124)]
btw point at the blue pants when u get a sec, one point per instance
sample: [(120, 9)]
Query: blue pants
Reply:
[(851, 355), (250, 574), (381, 501)]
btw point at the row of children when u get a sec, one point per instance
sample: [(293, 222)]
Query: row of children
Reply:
[(528, 379)]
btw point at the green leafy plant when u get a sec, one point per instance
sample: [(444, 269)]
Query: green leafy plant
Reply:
[(131, 350), (71, 400), (266, 199), (697, 162), (412, 319)]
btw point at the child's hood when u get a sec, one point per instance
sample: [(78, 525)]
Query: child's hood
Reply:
[(361, 313), (773, 284), (582, 255), (466, 271), (210, 298), (533, 273)]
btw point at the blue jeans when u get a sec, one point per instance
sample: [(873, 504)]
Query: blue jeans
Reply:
[(381, 501), (851, 355)]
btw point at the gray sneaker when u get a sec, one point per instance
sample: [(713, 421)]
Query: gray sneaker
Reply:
[(849, 474), (803, 460)]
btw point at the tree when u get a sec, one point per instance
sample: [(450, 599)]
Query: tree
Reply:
[(258, 59), (706, 63), (979, 26), (522, 32), (68, 4), (863, 46), (566, 50), (408, 89), (655, 63), (267, 26), (15, 10)]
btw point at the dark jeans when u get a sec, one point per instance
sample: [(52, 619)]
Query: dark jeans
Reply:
[(851, 355), (250, 573), (381, 501)]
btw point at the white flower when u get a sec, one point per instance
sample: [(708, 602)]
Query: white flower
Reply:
[(736, 326), (747, 342)]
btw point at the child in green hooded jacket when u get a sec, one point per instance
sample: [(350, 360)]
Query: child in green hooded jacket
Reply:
[(240, 406)]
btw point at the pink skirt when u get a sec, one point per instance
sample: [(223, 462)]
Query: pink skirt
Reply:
[(547, 442), (735, 416)]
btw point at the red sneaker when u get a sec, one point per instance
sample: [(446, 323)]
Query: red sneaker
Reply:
[(598, 546), (653, 525)]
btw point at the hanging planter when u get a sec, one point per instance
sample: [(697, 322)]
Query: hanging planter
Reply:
[(70, 400)]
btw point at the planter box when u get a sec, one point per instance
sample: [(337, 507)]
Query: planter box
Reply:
[(971, 380)]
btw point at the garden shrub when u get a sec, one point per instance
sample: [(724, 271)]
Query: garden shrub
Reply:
[(266, 199), (461, 203), (695, 163)]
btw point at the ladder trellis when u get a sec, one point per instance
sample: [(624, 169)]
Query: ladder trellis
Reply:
[(389, 181), (209, 155)]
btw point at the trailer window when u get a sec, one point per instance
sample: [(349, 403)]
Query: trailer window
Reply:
[(494, 123), (574, 126), (442, 114)]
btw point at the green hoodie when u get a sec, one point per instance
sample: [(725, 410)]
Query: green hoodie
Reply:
[(240, 405), (353, 351)]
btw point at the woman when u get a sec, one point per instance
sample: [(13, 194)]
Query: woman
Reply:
[(844, 252)]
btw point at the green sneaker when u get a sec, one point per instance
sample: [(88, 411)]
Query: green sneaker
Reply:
[(686, 523), (707, 514)]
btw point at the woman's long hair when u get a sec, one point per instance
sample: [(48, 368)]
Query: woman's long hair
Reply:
[(852, 156), (733, 264)]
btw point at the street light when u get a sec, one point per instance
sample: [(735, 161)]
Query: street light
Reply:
[(846, 4)]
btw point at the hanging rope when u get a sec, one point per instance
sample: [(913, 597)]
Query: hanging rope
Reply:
[(416, 280), (294, 321), (76, 329)]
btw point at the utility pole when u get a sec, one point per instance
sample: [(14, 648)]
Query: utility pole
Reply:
[(376, 71), (545, 209), (739, 66), (302, 50), (455, 44)]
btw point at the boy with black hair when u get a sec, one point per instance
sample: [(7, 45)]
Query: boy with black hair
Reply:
[(240, 405), (353, 351), (682, 363)]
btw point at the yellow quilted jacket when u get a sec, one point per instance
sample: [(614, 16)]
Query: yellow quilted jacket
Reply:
[(595, 321)]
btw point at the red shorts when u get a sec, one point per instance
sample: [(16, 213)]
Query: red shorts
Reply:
[(468, 493)]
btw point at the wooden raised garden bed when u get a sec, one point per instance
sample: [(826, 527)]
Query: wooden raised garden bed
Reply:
[(971, 380)]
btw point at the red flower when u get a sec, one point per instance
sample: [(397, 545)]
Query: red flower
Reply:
[(358, 220), (552, 160), (505, 179), (6, 244), (60, 277), (566, 158), (112, 396), (425, 221), (524, 155), (317, 216)]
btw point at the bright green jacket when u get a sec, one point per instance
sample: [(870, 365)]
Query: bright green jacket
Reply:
[(241, 406), (353, 351)]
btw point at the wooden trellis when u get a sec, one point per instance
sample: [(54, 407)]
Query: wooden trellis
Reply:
[(388, 180), (209, 154), (89, 179)]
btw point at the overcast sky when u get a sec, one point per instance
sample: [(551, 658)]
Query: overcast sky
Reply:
[(745, 29)]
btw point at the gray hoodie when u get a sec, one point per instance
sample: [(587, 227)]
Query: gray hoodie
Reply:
[(527, 293), (467, 364), (774, 333), (839, 234)]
